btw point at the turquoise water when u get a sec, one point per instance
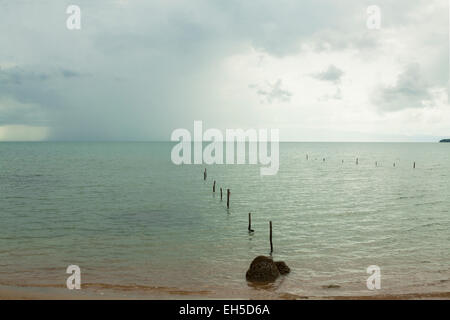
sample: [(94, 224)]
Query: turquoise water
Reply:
[(135, 223)]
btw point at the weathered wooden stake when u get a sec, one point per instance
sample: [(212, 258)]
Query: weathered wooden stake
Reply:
[(307, 157), (220, 194), (414, 166), (250, 222), (270, 236), (228, 198), (204, 175), (214, 186), (357, 161)]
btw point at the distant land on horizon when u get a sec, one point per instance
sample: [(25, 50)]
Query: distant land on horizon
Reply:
[(445, 140)]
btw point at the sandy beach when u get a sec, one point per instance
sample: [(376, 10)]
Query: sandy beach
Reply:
[(39, 293)]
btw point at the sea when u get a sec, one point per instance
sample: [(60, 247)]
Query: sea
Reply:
[(139, 226)]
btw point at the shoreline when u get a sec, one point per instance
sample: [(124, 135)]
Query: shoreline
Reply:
[(40, 293)]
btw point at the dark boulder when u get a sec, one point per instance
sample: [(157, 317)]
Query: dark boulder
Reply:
[(282, 267), (262, 269)]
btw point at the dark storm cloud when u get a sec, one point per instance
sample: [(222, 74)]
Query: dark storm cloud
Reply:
[(410, 91), (29, 86), (166, 56), (19, 76), (70, 73)]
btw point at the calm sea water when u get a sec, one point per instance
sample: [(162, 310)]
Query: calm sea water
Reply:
[(137, 224)]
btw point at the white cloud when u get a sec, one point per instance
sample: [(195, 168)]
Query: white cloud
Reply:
[(272, 92)]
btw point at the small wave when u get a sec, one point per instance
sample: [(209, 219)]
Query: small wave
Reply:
[(428, 203)]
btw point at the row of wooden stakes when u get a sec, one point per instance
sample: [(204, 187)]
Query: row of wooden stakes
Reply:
[(221, 194), (249, 214), (357, 162)]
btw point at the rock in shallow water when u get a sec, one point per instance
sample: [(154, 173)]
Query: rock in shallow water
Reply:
[(282, 267), (264, 269)]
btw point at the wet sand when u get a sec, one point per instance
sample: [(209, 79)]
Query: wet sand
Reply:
[(39, 293)]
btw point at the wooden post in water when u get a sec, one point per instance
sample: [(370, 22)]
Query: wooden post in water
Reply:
[(250, 222), (414, 166), (220, 194), (307, 157), (204, 175), (357, 161), (214, 186), (270, 236), (228, 198)]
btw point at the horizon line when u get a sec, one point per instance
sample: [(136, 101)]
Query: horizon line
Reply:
[(209, 141)]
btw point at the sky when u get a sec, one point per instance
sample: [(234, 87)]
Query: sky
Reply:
[(139, 69)]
